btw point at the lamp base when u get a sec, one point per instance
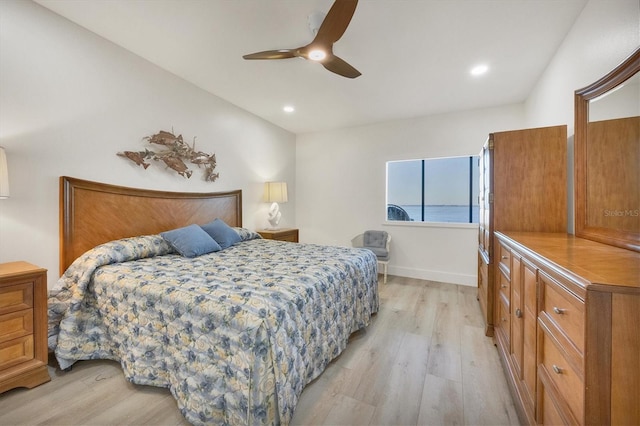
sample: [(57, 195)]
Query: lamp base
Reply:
[(274, 216)]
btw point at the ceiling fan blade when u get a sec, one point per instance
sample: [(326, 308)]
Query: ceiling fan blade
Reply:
[(336, 22), (272, 54), (339, 66)]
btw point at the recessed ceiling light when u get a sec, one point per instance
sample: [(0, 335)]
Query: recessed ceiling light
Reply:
[(317, 55), (288, 109), (479, 69)]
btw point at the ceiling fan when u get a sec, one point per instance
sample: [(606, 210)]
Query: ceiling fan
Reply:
[(321, 48)]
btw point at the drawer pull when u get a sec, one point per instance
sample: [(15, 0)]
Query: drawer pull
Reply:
[(503, 286), (504, 257), (557, 369), (518, 313), (558, 310)]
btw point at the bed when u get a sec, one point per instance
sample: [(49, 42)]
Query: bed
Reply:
[(234, 334)]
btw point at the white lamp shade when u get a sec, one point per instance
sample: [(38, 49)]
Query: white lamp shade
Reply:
[(4, 175), (275, 192)]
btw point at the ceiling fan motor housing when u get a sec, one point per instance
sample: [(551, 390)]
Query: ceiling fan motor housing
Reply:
[(315, 19)]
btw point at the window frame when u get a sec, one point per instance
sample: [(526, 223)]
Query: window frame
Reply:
[(426, 223)]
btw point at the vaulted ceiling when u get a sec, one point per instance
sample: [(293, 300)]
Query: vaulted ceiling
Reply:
[(415, 56)]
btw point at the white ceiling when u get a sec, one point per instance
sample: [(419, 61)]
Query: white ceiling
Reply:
[(414, 55)]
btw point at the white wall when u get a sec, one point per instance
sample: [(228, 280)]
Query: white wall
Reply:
[(341, 174), (341, 187), (70, 100)]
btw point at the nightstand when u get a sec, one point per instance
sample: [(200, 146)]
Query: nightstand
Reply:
[(284, 234), (23, 326)]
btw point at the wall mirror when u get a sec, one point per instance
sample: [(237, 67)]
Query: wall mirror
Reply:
[(607, 157)]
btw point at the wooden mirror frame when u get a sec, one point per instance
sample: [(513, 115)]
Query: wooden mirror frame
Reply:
[(615, 237)]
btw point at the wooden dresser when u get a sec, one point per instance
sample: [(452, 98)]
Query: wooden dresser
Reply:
[(569, 332), (23, 326), (523, 187), (285, 234)]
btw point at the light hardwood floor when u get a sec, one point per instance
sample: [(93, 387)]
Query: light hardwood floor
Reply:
[(423, 360)]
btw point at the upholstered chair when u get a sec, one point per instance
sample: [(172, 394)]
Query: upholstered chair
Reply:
[(378, 242)]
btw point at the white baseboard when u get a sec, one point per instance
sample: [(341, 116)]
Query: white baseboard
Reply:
[(440, 276)]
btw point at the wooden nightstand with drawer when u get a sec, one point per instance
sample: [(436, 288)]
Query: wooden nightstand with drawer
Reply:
[(23, 326), (285, 234)]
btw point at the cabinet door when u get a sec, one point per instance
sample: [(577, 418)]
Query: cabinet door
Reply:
[(529, 169), (529, 312), (485, 291), (485, 227), (517, 323), (523, 330)]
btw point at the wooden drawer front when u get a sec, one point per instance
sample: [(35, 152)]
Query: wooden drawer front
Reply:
[(505, 286), (565, 379), (289, 235), (16, 297), (16, 351), (16, 324), (564, 309), (504, 320), (549, 413), (292, 237), (504, 257)]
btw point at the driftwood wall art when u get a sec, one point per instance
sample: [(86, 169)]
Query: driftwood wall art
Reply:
[(174, 155)]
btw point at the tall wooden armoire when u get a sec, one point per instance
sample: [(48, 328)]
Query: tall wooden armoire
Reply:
[(523, 187)]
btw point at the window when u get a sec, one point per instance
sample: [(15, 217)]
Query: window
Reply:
[(433, 190)]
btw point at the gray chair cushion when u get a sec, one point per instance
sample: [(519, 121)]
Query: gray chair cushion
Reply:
[(381, 254), (376, 241)]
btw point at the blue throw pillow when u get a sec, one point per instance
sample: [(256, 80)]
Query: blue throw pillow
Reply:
[(190, 241), (224, 235)]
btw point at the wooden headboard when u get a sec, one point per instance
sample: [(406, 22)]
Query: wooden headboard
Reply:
[(93, 213)]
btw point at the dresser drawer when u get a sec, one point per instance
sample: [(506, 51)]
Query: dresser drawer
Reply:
[(16, 297), (504, 258), (564, 309), (288, 234), (23, 325), (569, 384), (504, 286), (16, 324), (16, 351), (291, 237), (504, 320), (548, 411)]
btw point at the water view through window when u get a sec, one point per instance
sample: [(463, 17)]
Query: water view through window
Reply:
[(433, 190)]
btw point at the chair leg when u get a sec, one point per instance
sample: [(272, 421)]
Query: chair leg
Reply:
[(384, 270)]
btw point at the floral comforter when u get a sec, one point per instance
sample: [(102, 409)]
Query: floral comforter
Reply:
[(235, 335)]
